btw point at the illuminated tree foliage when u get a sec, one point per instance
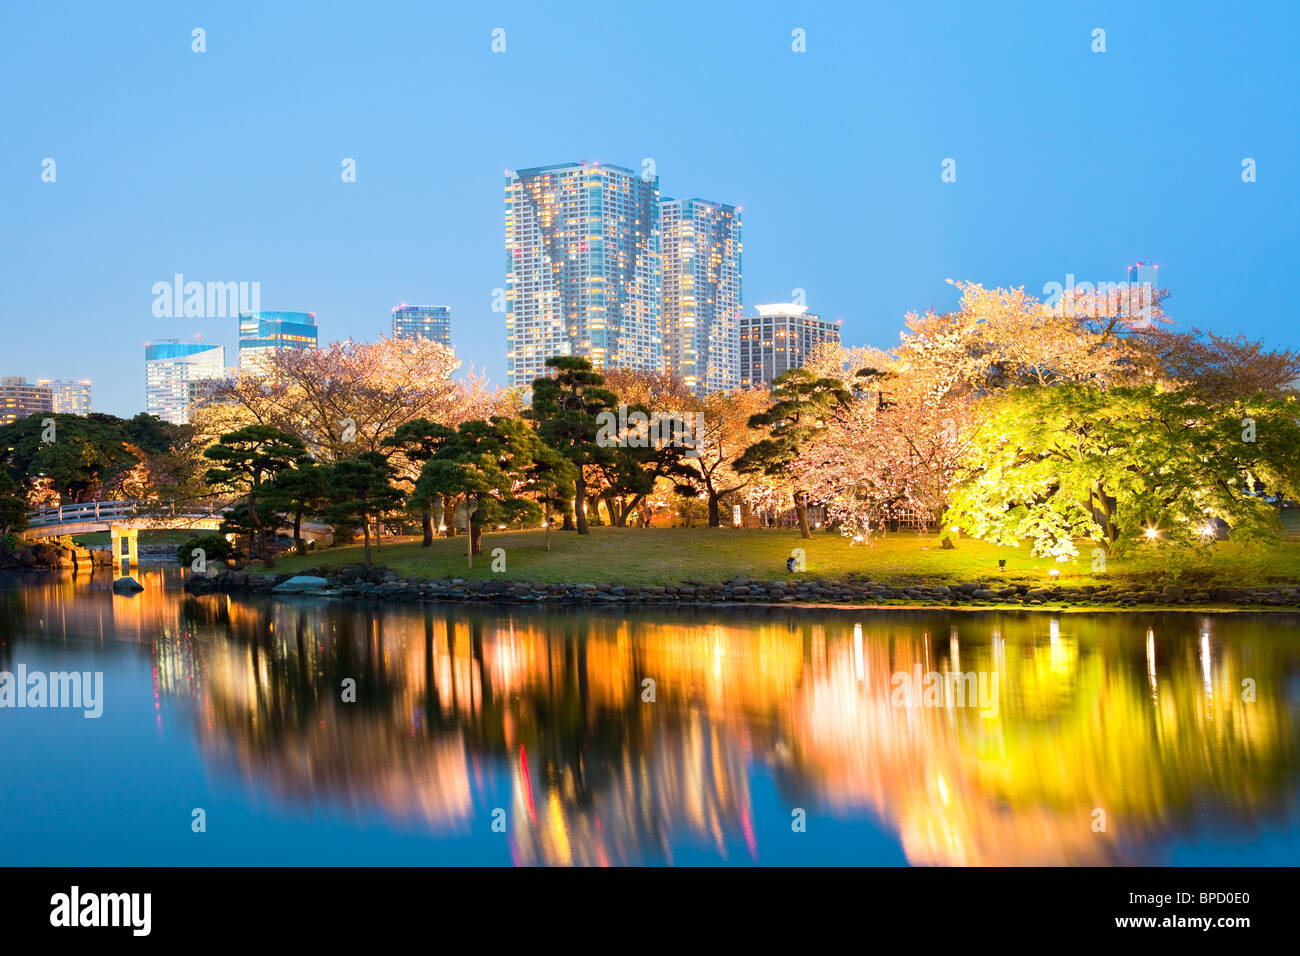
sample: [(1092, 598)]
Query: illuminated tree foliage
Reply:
[(1053, 465)]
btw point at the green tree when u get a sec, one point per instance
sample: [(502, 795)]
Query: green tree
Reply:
[(802, 405), (550, 479), (489, 463), (13, 506), (566, 407), (418, 441), (360, 490), (82, 457), (247, 461), (297, 492)]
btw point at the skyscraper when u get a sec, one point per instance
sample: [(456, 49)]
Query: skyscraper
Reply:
[(20, 398), (172, 369), (1143, 284), (701, 292), (261, 333), (582, 268), (70, 397), (780, 338), (422, 322)]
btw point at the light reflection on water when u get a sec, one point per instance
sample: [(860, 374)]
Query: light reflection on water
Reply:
[(755, 713)]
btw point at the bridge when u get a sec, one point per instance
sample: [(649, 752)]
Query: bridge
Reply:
[(88, 517)]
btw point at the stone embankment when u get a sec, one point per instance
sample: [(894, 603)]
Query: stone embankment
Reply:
[(384, 585), (47, 556)]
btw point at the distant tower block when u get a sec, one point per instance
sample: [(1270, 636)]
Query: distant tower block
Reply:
[(432, 322), (1143, 284)]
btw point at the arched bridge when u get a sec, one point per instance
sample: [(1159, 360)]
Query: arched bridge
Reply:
[(90, 516)]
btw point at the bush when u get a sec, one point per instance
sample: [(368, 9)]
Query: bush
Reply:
[(215, 547)]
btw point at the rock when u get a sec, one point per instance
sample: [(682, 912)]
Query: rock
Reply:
[(1174, 591), (300, 582), (983, 594), (127, 585)]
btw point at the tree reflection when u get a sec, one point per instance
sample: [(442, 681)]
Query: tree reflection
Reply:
[(541, 713)]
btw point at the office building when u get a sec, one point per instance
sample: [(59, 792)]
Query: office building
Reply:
[(70, 397), (700, 241), (582, 268), (261, 333), (172, 369), (431, 322), (780, 337), (20, 398)]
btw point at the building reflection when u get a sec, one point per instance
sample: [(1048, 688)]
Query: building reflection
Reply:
[(548, 717)]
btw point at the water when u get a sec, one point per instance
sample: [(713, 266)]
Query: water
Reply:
[(535, 720)]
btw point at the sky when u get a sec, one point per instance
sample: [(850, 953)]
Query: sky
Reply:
[(225, 165)]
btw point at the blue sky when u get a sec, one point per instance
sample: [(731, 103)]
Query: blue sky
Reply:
[(224, 166)]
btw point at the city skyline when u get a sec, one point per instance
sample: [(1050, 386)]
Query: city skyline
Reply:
[(845, 202)]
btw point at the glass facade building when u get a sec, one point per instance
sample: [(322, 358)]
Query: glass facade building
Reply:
[(701, 248), (70, 398), (261, 333), (583, 272), (422, 322), (778, 339), (171, 369)]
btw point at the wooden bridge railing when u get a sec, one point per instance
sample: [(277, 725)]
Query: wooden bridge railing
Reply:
[(110, 510)]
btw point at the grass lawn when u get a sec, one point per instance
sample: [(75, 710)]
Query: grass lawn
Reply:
[(672, 555)]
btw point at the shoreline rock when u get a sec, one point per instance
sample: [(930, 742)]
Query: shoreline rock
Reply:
[(382, 584)]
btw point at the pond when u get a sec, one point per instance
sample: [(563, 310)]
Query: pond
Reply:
[(312, 731)]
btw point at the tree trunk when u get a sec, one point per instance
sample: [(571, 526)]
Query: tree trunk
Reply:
[(580, 502), (254, 537), (365, 525), (472, 527), (298, 544), (426, 525), (801, 511), (715, 513)]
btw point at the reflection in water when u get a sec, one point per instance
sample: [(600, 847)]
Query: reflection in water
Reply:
[(1142, 716)]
